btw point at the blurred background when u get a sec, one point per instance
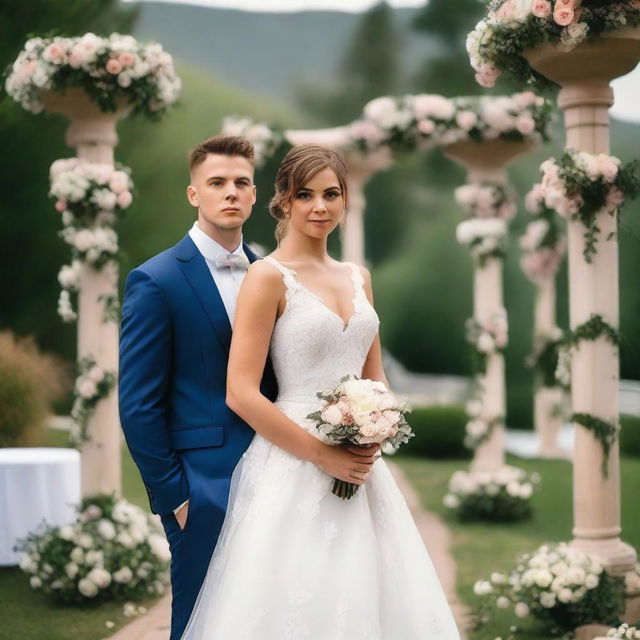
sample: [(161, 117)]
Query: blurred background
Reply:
[(293, 69)]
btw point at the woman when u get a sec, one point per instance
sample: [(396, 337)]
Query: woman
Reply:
[(293, 560)]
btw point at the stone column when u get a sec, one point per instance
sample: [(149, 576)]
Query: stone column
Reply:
[(584, 75), (547, 418), (486, 162), (362, 166), (93, 135)]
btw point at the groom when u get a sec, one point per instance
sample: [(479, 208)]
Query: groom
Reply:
[(174, 345)]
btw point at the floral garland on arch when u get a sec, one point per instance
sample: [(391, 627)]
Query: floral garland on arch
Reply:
[(110, 70), (266, 140), (423, 121), (581, 185), (498, 42), (90, 198)]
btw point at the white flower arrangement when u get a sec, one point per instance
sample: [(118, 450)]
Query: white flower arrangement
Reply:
[(486, 200), (485, 237), (92, 385), (501, 495), (110, 70), (114, 550), (561, 586), (581, 185), (624, 632), (498, 42), (427, 120), (491, 337), (265, 139)]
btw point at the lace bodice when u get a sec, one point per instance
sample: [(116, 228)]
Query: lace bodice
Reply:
[(311, 347)]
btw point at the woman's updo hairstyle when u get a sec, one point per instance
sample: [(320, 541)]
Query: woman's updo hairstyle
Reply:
[(296, 169)]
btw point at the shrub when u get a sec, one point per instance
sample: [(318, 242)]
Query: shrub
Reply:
[(29, 382), (439, 432), (630, 435)]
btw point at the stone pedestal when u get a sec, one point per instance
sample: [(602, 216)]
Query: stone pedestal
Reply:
[(486, 163), (584, 75), (92, 134)]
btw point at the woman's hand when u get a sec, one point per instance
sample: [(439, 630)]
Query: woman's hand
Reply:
[(352, 464)]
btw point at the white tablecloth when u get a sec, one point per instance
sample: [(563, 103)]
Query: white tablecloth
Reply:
[(36, 484)]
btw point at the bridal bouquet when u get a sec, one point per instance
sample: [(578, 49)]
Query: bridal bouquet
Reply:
[(361, 412)]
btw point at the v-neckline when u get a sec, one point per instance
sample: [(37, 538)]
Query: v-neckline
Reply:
[(320, 299)]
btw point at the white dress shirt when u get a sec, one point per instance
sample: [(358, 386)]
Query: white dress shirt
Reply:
[(227, 280)]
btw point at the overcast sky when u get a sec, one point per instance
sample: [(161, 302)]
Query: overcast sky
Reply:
[(627, 89)]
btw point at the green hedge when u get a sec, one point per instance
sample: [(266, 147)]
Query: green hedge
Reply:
[(439, 433), (630, 435)]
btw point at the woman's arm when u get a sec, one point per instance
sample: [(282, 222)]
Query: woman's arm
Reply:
[(256, 313), (372, 369)]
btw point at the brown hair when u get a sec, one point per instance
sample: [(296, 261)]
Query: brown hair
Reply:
[(296, 169), (221, 145)]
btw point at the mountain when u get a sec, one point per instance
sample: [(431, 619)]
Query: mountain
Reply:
[(269, 54)]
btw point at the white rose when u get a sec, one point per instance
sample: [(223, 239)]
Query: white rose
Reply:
[(27, 564), (482, 588), (77, 555), (160, 547), (466, 120), (332, 415), (486, 343), (100, 577), (498, 578), (513, 489), (565, 596), (85, 540), (119, 182), (94, 558), (543, 578), (547, 599), (591, 581), (71, 569), (521, 610), (502, 602), (66, 532), (83, 240), (86, 388), (383, 111), (451, 501), (105, 199), (88, 588), (106, 529), (125, 539), (123, 575), (526, 490), (35, 582)]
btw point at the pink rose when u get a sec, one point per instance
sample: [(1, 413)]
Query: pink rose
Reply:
[(466, 120), (124, 199), (119, 182), (126, 59), (607, 166), (114, 66), (525, 124), (541, 8), (485, 80), (426, 127), (563, 17), (54, 53), (332, 415), (61, 206), (77, 57)]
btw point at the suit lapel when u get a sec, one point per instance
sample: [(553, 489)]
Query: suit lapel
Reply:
[(196, 271)]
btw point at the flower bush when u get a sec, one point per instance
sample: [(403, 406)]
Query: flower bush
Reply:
[(624, 632), (92, 385), (501, 495), (420, 121), (113, 551), (561, 586), (498, 42), (110, 70), (581, 185)]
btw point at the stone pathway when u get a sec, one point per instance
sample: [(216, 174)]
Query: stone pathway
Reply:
[(154, 625)]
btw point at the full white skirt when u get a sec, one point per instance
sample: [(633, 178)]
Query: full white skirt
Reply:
[(296, 562)]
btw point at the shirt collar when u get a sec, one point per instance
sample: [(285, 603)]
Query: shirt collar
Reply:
[(208, 247)]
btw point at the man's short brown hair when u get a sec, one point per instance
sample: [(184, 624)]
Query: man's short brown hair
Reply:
[(221, 145)]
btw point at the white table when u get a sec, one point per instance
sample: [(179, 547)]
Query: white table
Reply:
[(36, 484)]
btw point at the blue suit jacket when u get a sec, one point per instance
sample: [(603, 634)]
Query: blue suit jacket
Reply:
[(174, 348)]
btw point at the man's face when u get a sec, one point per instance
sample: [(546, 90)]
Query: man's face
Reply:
[(222, 190)]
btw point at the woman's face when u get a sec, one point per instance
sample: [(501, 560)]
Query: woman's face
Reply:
[(318, 206)]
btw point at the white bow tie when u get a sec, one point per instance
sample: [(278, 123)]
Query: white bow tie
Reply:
[(231, 261)]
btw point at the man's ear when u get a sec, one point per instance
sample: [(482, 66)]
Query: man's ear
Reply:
[(255, 192), (192, 196)]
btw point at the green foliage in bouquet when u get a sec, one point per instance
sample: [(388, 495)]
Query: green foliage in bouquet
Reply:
[(114, 551)]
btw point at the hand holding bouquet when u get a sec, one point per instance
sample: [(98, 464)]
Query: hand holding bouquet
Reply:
[(361, 412)]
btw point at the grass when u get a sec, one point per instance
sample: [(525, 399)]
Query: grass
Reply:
[(29, 615), (480, 549)]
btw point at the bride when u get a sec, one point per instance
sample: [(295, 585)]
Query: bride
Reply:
[(293, 560)]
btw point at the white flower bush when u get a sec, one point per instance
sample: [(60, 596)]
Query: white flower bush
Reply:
[(561, 586), (498, 42), (501, 495), (112, 70), (624, 632), (581, 185), (114, 550), (92, 385), (265, 140), (426, 120)]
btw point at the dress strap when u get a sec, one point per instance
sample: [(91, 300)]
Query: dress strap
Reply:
[(288, 275), (360, 299)]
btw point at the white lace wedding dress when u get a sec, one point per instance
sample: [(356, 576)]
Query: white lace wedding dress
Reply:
[(293, 561)]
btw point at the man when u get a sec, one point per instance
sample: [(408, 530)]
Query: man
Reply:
[(174, 345)]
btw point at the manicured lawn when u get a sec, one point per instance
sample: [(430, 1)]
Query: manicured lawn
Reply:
[(29, 615), (480, 549)]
